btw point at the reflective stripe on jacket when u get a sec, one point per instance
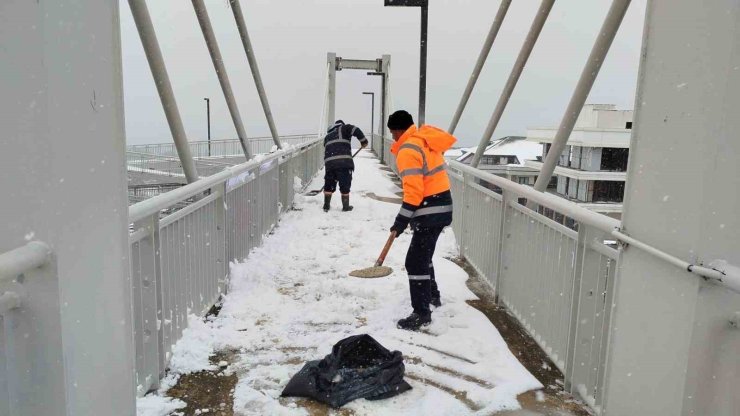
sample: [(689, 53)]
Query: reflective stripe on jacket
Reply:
[(338, 146), (421, 165)]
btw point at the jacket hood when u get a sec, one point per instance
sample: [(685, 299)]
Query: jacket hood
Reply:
[(436, 138), (335, 125)]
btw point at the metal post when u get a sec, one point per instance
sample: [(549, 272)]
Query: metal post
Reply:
[(208, 118), (583, 88), (492, 33), (461, 239), (386, 69), (153, 53), (424, 5), (585, 234), (506, 196), (372, 112), (516, 72), (331, 58), (223, 78), (222, 239), (423, 65), (147, 293), (242, 26), (67, 349)]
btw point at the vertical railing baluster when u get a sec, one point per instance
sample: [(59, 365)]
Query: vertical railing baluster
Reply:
[(500, 242), (150, 290)]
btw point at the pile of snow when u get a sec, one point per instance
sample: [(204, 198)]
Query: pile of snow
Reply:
[(292, 300), (154, 405)]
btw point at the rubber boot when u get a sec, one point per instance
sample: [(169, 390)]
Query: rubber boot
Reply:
[(345, 203), (327, 202), (415, 321)]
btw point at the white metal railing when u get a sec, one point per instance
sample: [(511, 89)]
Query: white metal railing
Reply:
[(15, 263), (558, 282), (382, 148), (389, 158), (179, 262)]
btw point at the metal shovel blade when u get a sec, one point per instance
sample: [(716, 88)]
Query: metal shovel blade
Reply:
[(372, 272)]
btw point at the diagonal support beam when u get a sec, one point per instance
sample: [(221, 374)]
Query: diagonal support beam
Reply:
[(242, 26), (148, 37), (492, 33), (223, 77), (521, 61), (598, 53)]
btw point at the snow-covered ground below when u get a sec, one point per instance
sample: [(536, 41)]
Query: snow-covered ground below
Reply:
[(292, 300)]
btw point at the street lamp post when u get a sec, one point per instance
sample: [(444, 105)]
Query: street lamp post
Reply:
[(208, 118), (424, 4), (372, 113)]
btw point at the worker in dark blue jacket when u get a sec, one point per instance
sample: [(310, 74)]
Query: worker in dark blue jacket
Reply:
[(338, 162)]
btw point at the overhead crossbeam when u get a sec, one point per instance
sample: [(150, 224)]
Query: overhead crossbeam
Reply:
[(380, 67), (364, 64)]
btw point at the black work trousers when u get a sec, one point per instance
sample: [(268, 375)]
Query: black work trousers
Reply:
[(422, 284), (341, 175)]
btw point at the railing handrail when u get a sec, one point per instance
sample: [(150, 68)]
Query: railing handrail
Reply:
[(571, 209), (22, 259), (152, 205)]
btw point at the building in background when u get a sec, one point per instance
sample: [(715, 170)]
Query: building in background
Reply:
[(455, 153), (506, 157), (592, 169)]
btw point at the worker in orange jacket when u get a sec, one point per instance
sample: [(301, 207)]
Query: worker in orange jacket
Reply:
[(427, 207)]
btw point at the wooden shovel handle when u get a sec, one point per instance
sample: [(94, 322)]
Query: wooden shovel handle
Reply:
[(387, 247)]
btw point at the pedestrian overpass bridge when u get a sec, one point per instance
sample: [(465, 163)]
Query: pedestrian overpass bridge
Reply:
[(98, 298)]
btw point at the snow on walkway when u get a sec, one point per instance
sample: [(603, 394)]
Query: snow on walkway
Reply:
[(292, 300)]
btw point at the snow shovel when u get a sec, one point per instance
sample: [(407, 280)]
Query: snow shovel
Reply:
[(318, 191), (378, 270)]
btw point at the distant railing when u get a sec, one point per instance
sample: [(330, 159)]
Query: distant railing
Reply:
[(382, 148), (219, 148), (170, 165), (179, 262)]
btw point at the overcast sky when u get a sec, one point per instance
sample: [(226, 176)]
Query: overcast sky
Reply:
[(291, 39)]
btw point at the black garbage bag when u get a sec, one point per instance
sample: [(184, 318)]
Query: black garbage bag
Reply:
[(358, 367)]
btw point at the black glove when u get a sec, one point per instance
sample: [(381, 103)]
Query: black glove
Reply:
[(399, 226)]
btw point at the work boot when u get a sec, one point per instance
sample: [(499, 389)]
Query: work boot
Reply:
[(345, 203), (327, 201), (414, 321), (436, 302)]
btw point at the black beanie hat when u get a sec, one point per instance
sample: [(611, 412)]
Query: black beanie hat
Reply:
[(400, 120)]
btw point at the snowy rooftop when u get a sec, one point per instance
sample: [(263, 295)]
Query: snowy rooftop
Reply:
[(292, 300), (508, 146), (455, 153)]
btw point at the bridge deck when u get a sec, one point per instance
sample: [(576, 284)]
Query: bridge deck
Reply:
[(292, 299)]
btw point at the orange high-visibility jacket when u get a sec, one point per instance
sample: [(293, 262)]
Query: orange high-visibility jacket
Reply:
[(421, 165)]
